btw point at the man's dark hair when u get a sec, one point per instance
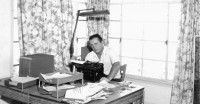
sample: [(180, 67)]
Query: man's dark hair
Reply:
[(96, 36)]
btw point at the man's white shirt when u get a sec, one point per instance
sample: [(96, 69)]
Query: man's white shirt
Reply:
[(108, 57)]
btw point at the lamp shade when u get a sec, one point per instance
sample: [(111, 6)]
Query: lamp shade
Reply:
[(94, 13)]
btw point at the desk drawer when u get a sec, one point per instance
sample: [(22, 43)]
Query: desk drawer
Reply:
[(136, 98), (14, 94), (38, 100)]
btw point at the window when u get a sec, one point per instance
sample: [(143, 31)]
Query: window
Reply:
[(81, 30), (16, 49), (147, 33)]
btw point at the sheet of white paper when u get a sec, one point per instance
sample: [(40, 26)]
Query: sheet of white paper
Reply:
[(55, 75), (53, 88), (77, 61), (82, 93), (13, 83), (106, 84), (22, 79)]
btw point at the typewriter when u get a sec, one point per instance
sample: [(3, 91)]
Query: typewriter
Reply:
[(92, 71)]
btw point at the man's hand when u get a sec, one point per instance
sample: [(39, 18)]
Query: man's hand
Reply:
[(104, 78)]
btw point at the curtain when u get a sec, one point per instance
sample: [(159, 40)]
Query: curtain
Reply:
[(98, 25), (45, 26), (187, 64)]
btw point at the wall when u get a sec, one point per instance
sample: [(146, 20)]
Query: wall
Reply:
[(156, 92), (6, 38)]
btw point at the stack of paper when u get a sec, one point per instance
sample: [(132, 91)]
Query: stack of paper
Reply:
[(16, 80), (53, 88), (83, 93), (55, 75), (106, 84), (91, 91)]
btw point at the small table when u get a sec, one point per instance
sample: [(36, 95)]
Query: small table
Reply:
[(121, 95)]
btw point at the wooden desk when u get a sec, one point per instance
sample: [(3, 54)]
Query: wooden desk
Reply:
[(31, 95)]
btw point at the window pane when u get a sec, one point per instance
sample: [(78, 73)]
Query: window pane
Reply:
[(172, 47), (115, 11), (174, 12), (155, 31), (132, 30), (81, 6), (15, 7), (154, 69), (133, 65), (15, 31), (133, 12), (81, 0), (115, 1), (154, 50), (115, 45), (81, 30), (114, 29), (171, 68), (132, 1), (174, 31), (135, 50), (16, 71), (16, 53), (160, 0), (156, 12)]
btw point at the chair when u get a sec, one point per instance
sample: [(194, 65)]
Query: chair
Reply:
[(84, 51), (122, 72)]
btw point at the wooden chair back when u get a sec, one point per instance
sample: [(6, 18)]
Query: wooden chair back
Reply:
[(123, 71)]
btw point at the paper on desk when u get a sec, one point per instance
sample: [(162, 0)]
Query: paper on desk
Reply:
[(77, 61), (53, 88), (106, 84), (55, 75), (83, 93), (23, 79), (91, 91), (16, 80)]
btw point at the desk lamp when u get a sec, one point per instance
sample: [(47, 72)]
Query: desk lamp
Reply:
[(85, 13)]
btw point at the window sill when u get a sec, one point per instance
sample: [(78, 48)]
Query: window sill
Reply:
[(154, 81)]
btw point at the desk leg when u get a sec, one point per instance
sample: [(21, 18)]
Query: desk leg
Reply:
[(82, 81), (39, 84), (57, 91), (142, 102)]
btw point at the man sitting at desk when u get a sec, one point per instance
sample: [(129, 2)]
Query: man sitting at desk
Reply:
[(105, 55)]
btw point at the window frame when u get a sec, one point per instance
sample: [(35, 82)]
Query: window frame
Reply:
[(167, 38)]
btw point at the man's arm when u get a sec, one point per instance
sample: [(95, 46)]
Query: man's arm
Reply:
[(113, 72)]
